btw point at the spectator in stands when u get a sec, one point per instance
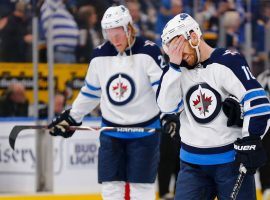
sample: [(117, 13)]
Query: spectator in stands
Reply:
[(205, 14), (90, 37), (59, 105), (231, 23), (99, 5), (65, 31), (14, 36), (168, 9), (210, 34), (13, 103), (6, 8), (262, 24), (141, 22)]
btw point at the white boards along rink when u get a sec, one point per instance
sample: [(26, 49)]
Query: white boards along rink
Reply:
[(75, 160)]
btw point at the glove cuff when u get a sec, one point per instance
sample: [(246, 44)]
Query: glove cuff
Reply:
[(69, 119)]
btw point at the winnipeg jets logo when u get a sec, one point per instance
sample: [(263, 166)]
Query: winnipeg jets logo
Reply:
[(230, 52), (148, 42), (204, 102), (120, 89)]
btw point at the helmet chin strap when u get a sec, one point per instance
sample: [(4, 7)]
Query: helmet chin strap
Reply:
[(128, 35), (129, 42), (196, 49)]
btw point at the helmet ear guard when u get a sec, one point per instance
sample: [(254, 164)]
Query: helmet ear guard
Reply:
[(116, 16)]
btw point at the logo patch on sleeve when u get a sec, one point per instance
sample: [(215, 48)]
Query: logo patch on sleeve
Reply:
[(204, 103), (120, 89)]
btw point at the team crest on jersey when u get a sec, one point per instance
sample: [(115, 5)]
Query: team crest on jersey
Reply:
[(120, 89), (204, 102)]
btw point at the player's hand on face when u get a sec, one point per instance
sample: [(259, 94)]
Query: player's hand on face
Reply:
[(175, 50)]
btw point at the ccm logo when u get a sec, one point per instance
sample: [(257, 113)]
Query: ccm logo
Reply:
[(245, 148)]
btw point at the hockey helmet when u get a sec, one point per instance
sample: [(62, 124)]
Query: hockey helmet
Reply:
[(181, 24), (116, 16)]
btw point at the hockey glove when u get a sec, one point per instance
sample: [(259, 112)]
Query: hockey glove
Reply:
[(234, 111), (170, 125), (60, 125), (250, 152)]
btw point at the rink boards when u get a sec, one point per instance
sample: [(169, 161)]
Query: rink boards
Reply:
[(75, 164)]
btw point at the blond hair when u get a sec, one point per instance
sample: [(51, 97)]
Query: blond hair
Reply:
[(133, 31)]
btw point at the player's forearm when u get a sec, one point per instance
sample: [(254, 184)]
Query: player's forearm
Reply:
[(169, 97), (82, 106)]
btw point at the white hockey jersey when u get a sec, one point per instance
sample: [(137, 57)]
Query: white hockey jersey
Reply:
[(199, 94), (124, 85)]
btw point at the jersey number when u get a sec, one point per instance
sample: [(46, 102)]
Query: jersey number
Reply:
[(248, 73), (162, 61)]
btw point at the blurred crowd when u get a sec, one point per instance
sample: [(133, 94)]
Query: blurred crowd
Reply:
[(76, 25), (76, 30)]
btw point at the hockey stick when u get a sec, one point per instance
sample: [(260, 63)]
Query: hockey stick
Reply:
[(238, 182), (17, 129)]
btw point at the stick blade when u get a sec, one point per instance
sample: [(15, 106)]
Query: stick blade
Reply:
[(13, 135), (17, 129)]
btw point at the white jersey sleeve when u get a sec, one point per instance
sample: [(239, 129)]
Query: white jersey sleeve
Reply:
[(170, 95), (238, 80), (89, 96)]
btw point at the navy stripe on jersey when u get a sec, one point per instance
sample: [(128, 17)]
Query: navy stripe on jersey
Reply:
[(175, 67), (155, 83), (258, 124), (259, 101), (213, 150), (91, 87), (161, 79), (89, 95)]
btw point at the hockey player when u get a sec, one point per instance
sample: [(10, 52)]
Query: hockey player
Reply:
[(196, 84), (123, 76)]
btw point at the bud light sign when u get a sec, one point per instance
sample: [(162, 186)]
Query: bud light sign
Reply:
[(83, 153)]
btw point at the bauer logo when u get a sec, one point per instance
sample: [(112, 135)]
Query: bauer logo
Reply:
[(82, 153), (245, 148)]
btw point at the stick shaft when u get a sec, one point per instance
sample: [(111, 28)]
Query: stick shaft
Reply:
[(17, 129), (239, 181)]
